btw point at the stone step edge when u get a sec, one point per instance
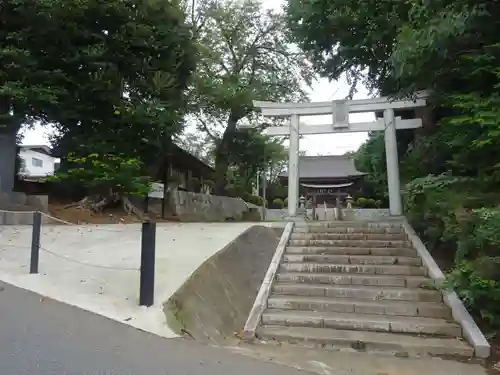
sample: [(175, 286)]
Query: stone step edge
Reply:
[(367, 341), (402, 242), (358, 259), (362, 322), (378, 269), (421, 309), (347, 236), (349, 250), (358, 288), (411, 282)]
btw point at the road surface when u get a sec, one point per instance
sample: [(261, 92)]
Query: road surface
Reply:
[(43, 337)]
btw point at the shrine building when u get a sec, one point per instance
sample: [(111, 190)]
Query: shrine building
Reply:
[(324, 178)]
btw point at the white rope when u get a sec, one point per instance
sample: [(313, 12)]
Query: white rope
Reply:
[(3, 247), (88, 264), (91, 226)]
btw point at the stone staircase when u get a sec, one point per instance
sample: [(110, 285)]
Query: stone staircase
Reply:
[(360, 286)]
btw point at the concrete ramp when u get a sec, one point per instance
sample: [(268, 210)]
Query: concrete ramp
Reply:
[(215, 301)]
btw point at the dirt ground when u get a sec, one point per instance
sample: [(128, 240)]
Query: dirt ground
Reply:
[(78, 215)]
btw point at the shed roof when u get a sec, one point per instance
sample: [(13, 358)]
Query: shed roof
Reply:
[(43, 149), (328, 166)]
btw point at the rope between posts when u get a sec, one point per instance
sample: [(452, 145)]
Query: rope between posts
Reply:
[(88, 264), (71, 259), (92, 227)]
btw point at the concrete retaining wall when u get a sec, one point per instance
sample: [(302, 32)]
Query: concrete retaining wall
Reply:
[(16, 208), (215, 301), (355, 214), (189, 205), (198, 207)]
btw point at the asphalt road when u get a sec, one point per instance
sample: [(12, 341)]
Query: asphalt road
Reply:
[(49, 338)]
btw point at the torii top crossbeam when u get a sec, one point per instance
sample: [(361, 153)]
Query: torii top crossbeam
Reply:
[(351, 106)]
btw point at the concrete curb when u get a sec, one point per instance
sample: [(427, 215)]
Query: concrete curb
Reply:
[(260, 302), (471, 331)]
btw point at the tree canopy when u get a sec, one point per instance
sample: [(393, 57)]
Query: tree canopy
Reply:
[(245, 55), (110, 76)]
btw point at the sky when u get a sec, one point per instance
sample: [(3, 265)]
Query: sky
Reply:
[(321, 90)]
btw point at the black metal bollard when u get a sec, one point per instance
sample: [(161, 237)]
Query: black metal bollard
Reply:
[(147, 287), (35, 242)]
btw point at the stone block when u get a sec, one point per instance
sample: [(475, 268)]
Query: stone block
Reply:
[(315, 278), (400, 270)]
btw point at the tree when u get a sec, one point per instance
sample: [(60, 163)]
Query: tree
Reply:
[(124, 81), (245, 55), (30, 80), (198, 144), (355, 38), (252, 153)]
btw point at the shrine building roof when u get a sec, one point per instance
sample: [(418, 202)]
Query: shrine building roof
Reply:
[(326, 167)]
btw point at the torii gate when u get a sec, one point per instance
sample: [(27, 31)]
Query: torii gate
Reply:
[(340, 110)]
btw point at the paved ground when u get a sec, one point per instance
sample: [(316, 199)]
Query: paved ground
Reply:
[(96, 267), (329, 362), (49, 338)]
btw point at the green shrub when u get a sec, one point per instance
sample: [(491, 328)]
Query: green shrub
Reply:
[(255, 199), (361, 202), (479, 292), (285, 202), (366, 203), (278, 203), (209, 183)]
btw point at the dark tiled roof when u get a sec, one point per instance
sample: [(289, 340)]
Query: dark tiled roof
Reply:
[(330, 166)]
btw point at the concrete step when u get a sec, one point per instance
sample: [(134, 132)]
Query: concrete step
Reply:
[(350, 224), (354, 259), (349, 305), (353, 268), (351, 250), (367, 341), (352, 279), (349, 236), (352, 243), (361, 322), (347, 229), (375, 293)]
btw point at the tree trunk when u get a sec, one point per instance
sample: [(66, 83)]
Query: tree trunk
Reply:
[(222, 156)]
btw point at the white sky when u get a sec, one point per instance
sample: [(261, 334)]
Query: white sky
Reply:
[(321, 90)]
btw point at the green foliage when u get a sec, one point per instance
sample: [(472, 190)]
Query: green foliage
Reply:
[(476, 276), (105, 175), (250, 153), (255, 199), (110, 76), (370, 158), (278, 203), (362, 202), (245, 55), (349, 37), (285, 201)]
